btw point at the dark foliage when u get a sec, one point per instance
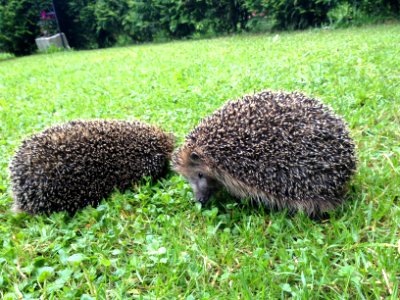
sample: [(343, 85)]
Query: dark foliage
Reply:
[(292, 14), (104, 23), (19, 25), (378, 7)]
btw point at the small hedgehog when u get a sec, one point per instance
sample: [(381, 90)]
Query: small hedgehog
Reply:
[(283, 150), (68, 167)]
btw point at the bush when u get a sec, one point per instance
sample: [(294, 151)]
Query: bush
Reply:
[(147, 20), (19, 25), (362, 12), (78, 21), (104, 23), (377, 7), (292, 14), (140, 21)]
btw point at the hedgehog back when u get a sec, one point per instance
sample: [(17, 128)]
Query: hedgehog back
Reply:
[(282, 145), (76, 164)]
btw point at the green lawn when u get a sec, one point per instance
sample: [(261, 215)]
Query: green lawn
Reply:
[(154, 242)]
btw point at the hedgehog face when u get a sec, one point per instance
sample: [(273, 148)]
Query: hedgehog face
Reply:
[(201, 181)]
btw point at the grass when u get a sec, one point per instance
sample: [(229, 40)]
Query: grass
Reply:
[(153, 241)]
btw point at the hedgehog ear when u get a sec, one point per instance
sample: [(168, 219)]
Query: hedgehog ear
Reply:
[(194, 157)]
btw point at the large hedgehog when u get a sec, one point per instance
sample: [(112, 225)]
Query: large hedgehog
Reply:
[(67, 167), (284, 150)]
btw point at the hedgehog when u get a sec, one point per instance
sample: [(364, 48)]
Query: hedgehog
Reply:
[(70, 166), (279, 149)]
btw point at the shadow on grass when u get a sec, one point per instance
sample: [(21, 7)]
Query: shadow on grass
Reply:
[(225, 202)]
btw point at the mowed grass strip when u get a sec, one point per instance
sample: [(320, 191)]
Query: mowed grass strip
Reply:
[(153, 241)]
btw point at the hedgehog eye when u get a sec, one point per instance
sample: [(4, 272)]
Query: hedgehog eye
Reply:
[(200, 175), (194, 157)]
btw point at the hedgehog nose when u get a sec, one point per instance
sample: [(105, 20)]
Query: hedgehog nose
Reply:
[(202, 200)]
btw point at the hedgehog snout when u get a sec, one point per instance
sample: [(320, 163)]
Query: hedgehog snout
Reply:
[(201, 192), (202, 196), (203, 200), (203, 187)]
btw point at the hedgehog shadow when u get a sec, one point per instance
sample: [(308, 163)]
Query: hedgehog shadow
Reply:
[(250, 207)]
